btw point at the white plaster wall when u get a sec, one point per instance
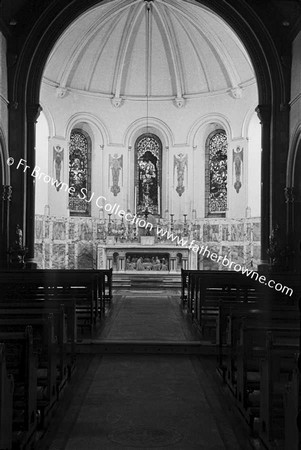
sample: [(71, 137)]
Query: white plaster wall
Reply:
[(181, 130)]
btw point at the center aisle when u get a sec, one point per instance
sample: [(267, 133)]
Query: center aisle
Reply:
[(149, 316), (144, 401)]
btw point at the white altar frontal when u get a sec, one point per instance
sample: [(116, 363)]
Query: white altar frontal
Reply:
[(147, 256)]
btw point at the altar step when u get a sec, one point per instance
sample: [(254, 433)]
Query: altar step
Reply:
[(146, 347), (146, 280)]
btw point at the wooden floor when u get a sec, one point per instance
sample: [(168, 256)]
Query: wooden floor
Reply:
[(145, 401)]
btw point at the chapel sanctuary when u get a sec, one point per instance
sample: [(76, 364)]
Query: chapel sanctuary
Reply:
[(150, 217)]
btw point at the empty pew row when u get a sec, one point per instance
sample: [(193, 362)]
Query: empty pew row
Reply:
[(259, 364), (20, 364), (205, 291), (90, 289), (257, 343), (262, 347), (292, 409), (53, 364), (6, 402)]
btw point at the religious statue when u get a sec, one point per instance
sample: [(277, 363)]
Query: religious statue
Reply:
[(180, 164), (58, 156), (17, 252), (116, 165), (237, 161)]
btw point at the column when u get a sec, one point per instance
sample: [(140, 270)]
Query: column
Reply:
[(4, 241), (33, 112), (264, 115), (290, 226), (130, 205)]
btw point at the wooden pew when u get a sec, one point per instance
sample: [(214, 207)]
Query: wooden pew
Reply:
[(276, 372), (13, 318), (292, 411), (246, 331), (45, 347), (21, 363), (65, 324), (89, 288), (207, 288), (6, 402)]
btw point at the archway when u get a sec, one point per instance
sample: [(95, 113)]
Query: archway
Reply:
[(40, 43)]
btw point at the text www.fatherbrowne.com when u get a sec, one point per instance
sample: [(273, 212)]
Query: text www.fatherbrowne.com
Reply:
[(204, 251), (161, 232)]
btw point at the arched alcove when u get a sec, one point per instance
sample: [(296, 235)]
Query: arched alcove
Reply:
[(38, 46)]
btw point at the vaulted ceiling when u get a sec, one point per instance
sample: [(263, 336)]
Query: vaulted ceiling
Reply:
[(161, 49)]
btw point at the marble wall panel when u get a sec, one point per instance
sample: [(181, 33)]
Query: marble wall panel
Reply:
[(256, 232), (47, 256), (84, 234), (47, 226), (86, 259), (58, 256), (225, 233), (257, 253), (71, 256), (86, 231), (39, 255), (237, 254), (39, 229), (72, 230), (237, 232), (59, 231), (210, 232)]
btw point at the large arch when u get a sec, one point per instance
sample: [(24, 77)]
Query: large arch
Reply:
[(25, 79)]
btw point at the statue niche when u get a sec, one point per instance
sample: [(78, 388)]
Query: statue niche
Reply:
[(148, 174)]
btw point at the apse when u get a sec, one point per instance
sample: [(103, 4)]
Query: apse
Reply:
[(150, 107)]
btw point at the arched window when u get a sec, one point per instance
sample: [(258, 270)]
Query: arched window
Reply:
[(148, 166), (216, 174), (79, 173)]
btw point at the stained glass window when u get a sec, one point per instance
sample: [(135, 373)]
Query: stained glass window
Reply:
[(79, 173), (216, 173), (148, 174)]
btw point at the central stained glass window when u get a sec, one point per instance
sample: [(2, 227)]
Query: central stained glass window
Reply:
[(148, 174), (79, 173), (217, 146)]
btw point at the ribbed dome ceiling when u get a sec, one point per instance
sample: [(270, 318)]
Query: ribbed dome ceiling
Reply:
[(161, 49)]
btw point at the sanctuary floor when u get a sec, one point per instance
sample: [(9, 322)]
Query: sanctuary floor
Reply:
[(145, 401)]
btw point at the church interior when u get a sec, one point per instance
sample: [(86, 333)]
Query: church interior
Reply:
[(150, 251)]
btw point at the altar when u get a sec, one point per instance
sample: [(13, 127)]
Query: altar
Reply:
[(146, 256)]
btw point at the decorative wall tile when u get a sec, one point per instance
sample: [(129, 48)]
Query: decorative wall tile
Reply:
[(210, 232), (59, 231), (71, 230), (237, 232), (86, 232), (85, 258), (38, 254), (80, 238), (71, 256), (256, 232), (58, 256), (39, 229), (46, 229), (225, 233)]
